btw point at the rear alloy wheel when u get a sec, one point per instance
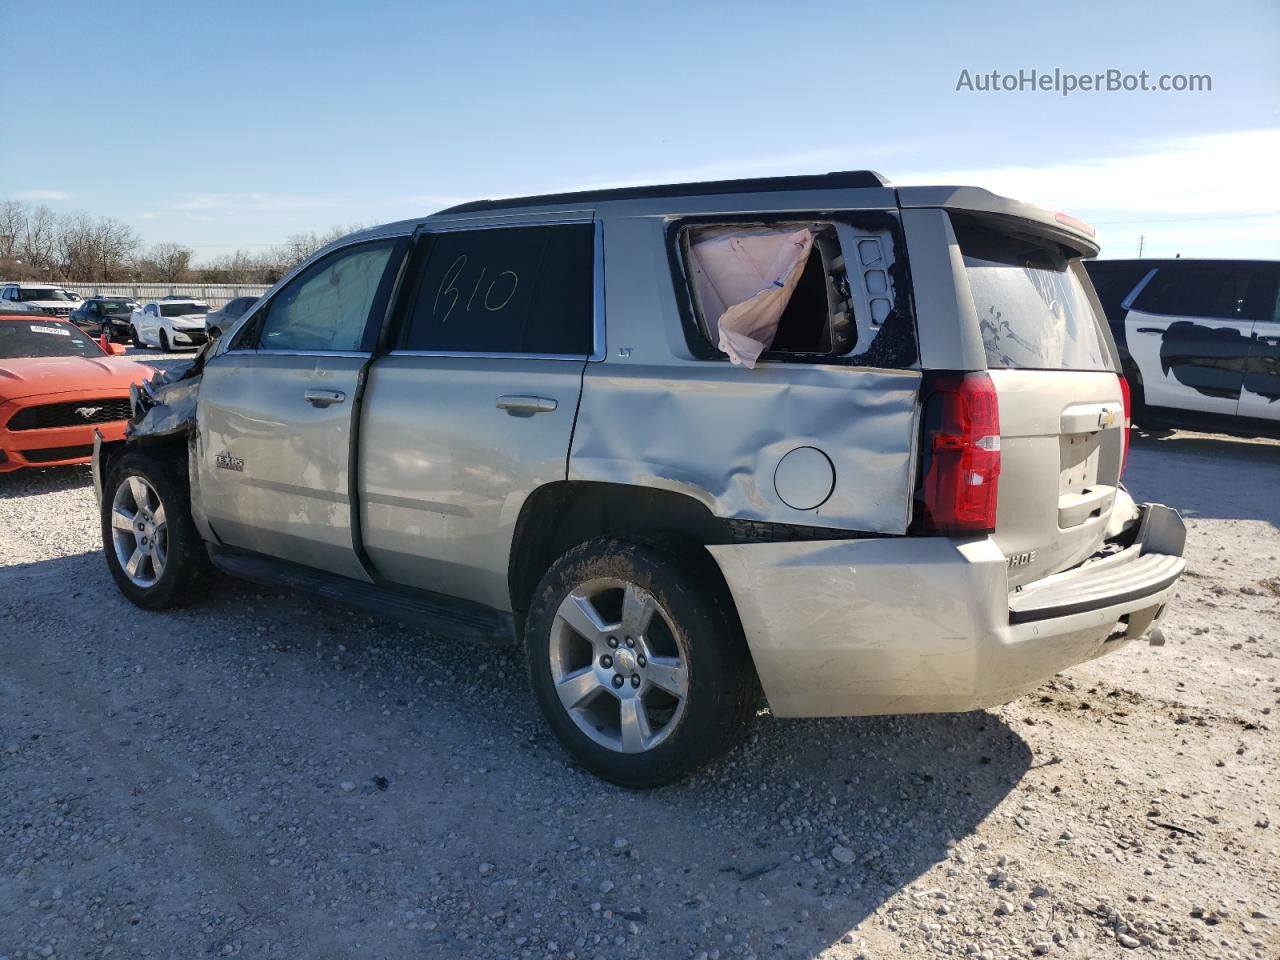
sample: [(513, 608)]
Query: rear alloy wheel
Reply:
[(152, 547), (638, 661)]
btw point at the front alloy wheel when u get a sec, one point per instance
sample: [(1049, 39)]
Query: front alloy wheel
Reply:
[(139, 532)]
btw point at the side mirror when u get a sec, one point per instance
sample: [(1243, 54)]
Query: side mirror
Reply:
[(214, 331), (115, 349)]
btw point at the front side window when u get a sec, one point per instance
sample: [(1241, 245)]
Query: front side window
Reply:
[(327, 306), (1033, 309), (505, 290)]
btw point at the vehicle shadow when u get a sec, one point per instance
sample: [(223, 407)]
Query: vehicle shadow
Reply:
[(1204, 475), (33, 481), (465, 805)]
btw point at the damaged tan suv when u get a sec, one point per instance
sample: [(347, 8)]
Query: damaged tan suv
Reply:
[(853, 445)]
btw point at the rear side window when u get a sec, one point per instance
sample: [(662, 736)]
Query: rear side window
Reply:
[(1033, 308), (505, 290), (1211, 291), (326, 308)]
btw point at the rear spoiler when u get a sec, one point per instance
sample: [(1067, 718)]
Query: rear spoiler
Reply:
[(1067, 230)]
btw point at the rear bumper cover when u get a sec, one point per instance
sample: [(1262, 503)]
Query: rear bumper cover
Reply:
[(925, 625)]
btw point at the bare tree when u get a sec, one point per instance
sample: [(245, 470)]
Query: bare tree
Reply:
[(38, 240), (13, 219), (169, 262)]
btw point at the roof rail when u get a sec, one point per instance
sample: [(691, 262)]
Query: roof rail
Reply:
[(837, 180)]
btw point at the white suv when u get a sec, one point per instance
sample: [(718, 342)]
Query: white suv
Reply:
[(170, 324), (48, 297)]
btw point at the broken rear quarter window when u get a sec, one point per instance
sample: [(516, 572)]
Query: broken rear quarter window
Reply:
[(795, 290)]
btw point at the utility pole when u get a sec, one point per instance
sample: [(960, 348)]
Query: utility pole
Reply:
[(1142, 242)]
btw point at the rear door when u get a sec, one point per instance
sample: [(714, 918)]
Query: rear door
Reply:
[(475, 406), (276, 411), (1061, 406), (1260, 392), (1189, 331)]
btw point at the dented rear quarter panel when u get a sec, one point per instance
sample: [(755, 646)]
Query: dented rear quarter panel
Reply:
[(652, 414)]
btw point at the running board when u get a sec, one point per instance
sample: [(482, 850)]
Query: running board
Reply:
[(437, 613)]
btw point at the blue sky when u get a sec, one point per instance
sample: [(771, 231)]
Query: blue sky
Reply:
[(230, 124)]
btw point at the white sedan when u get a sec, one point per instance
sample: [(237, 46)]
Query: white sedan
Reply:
[(170, 324)]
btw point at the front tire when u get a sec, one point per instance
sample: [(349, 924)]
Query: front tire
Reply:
[(153, 550), (136, 337), (164, 341), (638, 661)]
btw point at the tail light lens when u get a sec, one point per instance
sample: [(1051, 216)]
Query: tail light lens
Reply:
[(961, 455), (1128, 423)]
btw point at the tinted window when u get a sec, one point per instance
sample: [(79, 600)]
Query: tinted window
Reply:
[(327, 306), (45, 293), (52, 339), (1213, 291), (1114, 282), (182, 309), (505, 290), (113, 308), (1033, 309)]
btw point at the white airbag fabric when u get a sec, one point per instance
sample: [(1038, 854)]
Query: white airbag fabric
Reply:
[(744, 281)]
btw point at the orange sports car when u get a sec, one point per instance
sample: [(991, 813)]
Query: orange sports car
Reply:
[(57, 385)]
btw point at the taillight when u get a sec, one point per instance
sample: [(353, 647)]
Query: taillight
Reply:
[(961, 454), (1128, 422)]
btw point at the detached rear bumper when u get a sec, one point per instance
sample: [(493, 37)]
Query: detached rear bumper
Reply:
[(926, 625)]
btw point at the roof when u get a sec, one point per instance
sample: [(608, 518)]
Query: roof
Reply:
[(838, 180)]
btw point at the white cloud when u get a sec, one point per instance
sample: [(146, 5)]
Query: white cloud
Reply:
[(41, 195)]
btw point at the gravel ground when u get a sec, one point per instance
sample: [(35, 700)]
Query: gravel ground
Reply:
[(261, 775)]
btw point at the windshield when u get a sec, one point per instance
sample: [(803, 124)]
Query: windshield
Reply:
[(1033, 308), (182, 309), (45, 293), (115, 308), (53, 339)]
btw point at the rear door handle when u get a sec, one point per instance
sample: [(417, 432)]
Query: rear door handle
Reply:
[(1150, 330), (324, 398), (525, 405)]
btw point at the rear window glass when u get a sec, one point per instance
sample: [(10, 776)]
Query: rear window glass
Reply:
[(1034, 311)]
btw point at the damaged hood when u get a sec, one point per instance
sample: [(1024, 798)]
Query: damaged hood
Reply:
[(31, 376), (165, 405)]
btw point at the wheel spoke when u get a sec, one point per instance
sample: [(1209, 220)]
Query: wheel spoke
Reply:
[(578, 688), (583, 617), (637, 610), (122, 519), (135, 562), (157, 515), (669, 674), (138, 487), (635, 724)]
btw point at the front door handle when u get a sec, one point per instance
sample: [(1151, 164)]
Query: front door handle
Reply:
[(525, 406), (324, 398), (1150, 330)]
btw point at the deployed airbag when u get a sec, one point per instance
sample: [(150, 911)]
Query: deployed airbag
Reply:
[(744, 280)]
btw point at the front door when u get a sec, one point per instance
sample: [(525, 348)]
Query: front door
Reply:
[(475, 407), (276, 411)]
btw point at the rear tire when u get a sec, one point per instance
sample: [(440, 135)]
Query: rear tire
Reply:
[(153, 550), (638, 661)]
